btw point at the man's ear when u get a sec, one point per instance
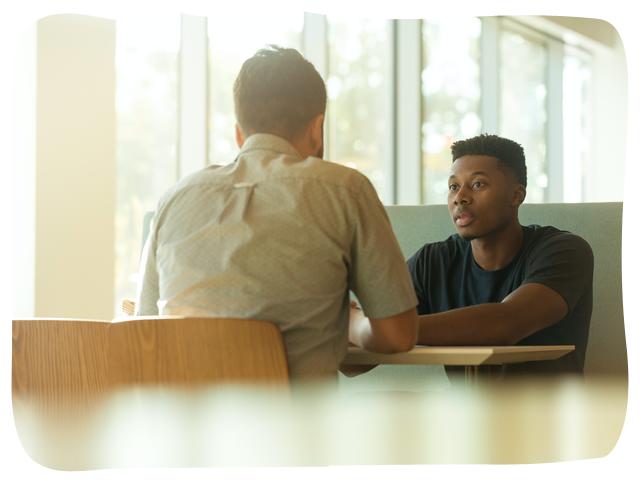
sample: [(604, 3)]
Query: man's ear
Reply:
[(519, 195), (316, 132), (239, 136)]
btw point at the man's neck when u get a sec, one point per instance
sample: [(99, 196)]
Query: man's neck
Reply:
[(496, 251)]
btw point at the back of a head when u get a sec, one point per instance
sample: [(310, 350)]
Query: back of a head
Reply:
[(508, 152), (279, 92)]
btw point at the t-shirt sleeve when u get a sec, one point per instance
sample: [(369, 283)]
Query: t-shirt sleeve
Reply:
[(564, 263), (378, 274), (416, 266)]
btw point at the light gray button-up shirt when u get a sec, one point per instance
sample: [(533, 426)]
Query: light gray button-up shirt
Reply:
[(276, 237)]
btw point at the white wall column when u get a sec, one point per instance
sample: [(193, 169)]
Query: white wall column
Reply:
[(75, 167)]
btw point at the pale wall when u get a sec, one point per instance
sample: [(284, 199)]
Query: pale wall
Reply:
[(75, 167)]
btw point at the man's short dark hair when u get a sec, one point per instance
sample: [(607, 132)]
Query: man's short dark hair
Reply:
[(507, 152), (278, 91)]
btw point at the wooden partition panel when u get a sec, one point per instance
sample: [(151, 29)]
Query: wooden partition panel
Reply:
[(55, 359), (58, 360), (196, 351)]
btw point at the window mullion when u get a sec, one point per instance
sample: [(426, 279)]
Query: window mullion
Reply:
[(314, 42), (554, 130), (490, 75), (408, 98), (193, 101), (315, 48)]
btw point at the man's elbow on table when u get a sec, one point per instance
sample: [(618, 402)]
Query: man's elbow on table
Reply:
[(397, 333)]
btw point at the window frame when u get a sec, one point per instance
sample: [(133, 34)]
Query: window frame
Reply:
[(402, 156), (402, 162)]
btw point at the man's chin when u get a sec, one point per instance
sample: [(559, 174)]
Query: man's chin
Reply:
[(466, 235)]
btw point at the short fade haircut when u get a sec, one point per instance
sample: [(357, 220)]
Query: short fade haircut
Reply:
[(508, 152), (278, 91)]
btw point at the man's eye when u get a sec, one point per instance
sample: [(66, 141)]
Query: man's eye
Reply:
[(477, 185), (453, 188)]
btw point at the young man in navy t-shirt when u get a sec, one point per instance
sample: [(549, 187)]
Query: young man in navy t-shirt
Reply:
[(496, 282)]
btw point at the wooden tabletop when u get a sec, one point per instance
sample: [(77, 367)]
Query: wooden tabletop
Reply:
[(470, 356)]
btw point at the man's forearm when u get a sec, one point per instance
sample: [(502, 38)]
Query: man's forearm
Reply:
[(526, 310), (485, 324), (361, 335), (397, 333), (357, 329)]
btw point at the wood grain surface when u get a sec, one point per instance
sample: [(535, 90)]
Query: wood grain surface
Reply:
[(56, 359)]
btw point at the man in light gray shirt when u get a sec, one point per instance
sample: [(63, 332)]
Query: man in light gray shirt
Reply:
[(280, 234)]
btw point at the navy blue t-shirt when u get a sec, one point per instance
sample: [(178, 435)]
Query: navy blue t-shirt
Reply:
[(446, 276)]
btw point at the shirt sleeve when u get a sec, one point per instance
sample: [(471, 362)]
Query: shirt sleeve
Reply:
[(564, 263), (148, 286), (378, 274), (416, 266)]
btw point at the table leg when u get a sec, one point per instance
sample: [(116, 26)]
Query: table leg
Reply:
[(471, 374)]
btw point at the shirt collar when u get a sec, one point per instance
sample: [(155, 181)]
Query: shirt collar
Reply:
[(266, 141)]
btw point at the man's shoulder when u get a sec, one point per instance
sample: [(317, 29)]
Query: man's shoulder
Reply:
[(332, 173), (548, 236), (204, 177), (447, 249)]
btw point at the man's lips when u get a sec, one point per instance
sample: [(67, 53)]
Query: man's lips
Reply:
[(462, 219)]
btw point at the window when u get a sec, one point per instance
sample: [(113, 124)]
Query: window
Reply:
[(523, 113), (399, 93), (358, 89), (450, 97), (146, 105)]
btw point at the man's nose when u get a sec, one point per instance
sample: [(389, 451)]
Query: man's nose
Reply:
[(461, 197)]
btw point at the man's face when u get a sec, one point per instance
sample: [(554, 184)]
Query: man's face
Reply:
[(483, 196)]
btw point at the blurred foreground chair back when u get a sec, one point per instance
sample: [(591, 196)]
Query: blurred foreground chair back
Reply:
[(56, 358)]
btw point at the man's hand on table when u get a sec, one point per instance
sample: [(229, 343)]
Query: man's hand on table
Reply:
[(355, 312)]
